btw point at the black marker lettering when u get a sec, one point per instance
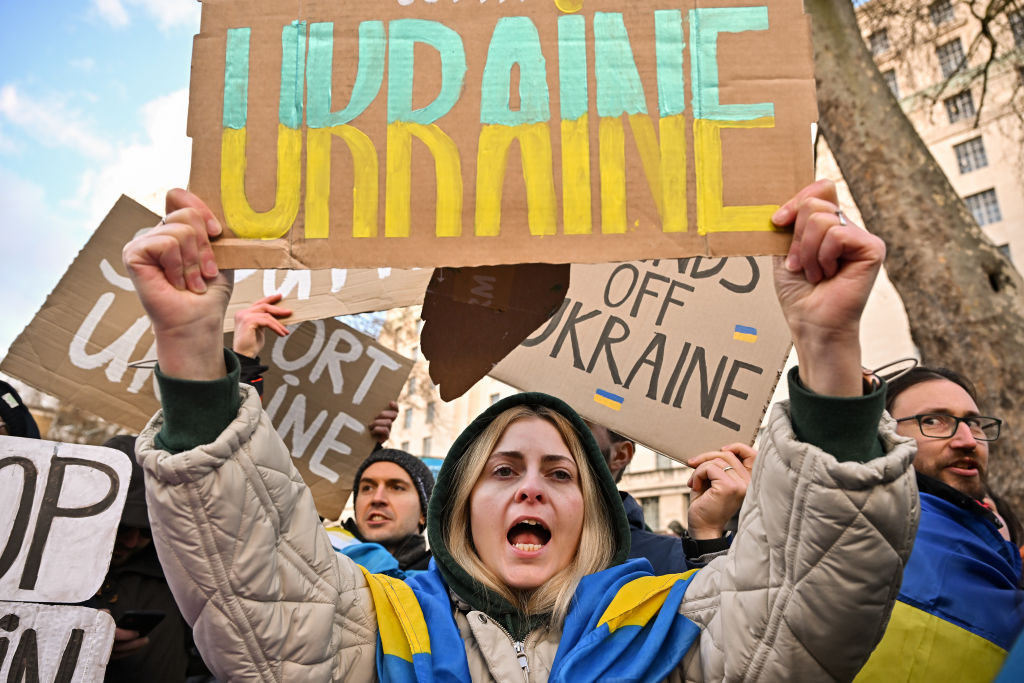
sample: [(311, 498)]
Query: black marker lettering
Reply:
[(728, 391), (657, 345), (570, 331), (49, 510), (605, 342), (20, 526)]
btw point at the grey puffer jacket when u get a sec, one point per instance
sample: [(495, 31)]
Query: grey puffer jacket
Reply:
[(804, 593)]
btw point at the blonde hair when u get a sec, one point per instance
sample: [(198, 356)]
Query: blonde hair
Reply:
[(597, 537)]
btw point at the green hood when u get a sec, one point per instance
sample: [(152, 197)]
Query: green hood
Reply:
[(438, 511)]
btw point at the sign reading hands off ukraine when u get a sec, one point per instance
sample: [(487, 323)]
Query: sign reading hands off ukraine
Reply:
[(437, 132)]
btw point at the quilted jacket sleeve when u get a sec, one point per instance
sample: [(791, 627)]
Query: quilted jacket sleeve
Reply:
[(248, 561), (806, 589)]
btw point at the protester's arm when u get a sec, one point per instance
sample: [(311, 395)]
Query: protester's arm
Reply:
[(806, 589), (236, 528)]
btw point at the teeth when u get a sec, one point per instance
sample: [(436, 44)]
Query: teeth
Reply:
[(528, 547), (531, 522)]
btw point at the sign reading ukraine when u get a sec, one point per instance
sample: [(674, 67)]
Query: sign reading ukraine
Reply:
[(477, 132)]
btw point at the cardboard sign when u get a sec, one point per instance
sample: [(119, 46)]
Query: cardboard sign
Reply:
[(82, 343), (680, 355), (54, 643), (512, 132), (473, 317), (326, 383), (319, 294), (58, 517), (89, 344)]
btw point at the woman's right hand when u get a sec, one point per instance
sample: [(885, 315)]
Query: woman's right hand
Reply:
[(184, 293)]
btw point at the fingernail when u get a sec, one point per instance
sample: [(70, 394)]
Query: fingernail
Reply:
[(209, 267), (792, 263), (779, 217), (213, 227)]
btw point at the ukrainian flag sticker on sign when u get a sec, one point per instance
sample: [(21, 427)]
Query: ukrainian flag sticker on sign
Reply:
[(744, 333), (608, 399)]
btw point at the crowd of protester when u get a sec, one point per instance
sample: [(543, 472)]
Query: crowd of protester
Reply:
[(862, 542)]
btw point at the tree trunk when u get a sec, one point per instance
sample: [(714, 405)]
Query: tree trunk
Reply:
[(965, 301)]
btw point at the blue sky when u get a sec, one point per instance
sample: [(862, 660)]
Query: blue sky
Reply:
[(93, 100)]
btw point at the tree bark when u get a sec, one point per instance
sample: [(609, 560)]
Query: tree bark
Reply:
[(964, 300)]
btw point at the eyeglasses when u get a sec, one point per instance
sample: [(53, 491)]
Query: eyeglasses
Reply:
[(941, 426)]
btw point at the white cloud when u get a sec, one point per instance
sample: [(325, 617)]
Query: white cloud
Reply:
[(84, 64), (143, 171), (47, 232), (50, 122), (112, 11), (168, 13)]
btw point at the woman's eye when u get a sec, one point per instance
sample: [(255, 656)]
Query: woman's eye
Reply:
[(562, 475), (503, 471)]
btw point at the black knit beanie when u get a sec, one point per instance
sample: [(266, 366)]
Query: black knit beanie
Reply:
[(420, 474), (15, 414)]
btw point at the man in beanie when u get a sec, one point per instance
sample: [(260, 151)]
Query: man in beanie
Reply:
[(390, 490), (15, 418)]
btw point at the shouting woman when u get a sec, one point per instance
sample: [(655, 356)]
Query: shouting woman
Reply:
[(528, 532)]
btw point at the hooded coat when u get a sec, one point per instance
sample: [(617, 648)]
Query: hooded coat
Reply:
[(803, 594)]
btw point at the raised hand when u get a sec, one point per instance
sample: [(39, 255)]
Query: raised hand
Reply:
[(380, 428), (823, 284), (181, 288), (251, 324)]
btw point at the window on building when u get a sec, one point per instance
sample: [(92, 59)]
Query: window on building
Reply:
[(960, 106), (1004, 249), (662, 462), (652, 515), (970, 155), (951, 57), (427, 445), (890, 80), (1017, 27), (941, 11), (879, 42), (405, 446), (407, 418), (985, 207), (495, 398), (430, 413), (411, 388)]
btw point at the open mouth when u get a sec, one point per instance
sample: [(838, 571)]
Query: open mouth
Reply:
[(966, 467), (528, 535), (376, 517)]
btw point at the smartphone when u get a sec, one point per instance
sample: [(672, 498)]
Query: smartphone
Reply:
[(141, 621)]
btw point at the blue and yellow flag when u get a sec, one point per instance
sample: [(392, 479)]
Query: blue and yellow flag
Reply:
[(624, 625), (959, 607)]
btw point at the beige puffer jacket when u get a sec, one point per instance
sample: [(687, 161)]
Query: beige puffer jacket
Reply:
[(803, 595)]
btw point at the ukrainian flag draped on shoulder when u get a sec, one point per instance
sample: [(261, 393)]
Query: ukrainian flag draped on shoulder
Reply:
[(624, 625), (959, 608)]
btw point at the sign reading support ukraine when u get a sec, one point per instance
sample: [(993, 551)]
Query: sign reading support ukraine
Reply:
[(414, 133)]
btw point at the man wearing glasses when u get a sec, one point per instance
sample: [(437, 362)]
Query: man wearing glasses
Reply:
[(961, 605)]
